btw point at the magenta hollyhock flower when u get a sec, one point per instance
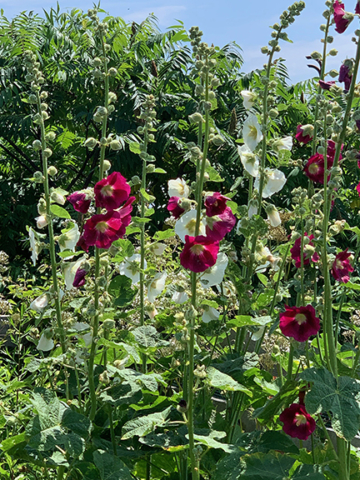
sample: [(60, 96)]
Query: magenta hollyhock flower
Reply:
[(300, 137), (125, 215), (219, 225), (341, 267), (295, 252), (330, 151), (357, 8), (314, 169), (358, 188), (297, 422), (344, 76), (199, 253), (215, 204), (326, 85), (339, 17), (299, 323), (174, 207), (103, 230), (82, 244), (112, 191), (79, 279), (79, 201)]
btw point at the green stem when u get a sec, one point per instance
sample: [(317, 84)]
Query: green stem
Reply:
[(342, 448), (60, 474), (343, 296), (302, 264), (112, 431)]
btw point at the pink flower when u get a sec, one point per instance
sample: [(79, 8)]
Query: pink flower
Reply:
[(341, 267), (112, 191), (330, 151), (79, 201), (344, 76), (219, 225), (314, 169), (174, 207), (79, 279), (358, 188), (199, 253), (297, 422), (299, 323), (82, 244), (326, 85), (339, 17), (357, 8), (296, 252), (215, 204), (300, 137)]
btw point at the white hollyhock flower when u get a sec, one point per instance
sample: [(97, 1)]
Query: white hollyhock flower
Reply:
[(40, 303), (80, 327), (266, 258), (46, 342), (186, 225), (156, 286), (41, 221), (151, 311), (252, 132), (159, 248), (258, 334), (130, 267), (121, 364), (210, 313), (273, 216), (253, 209), (248, 98), (69, 239), (285, 143), (274, 182), (178, 188), (69, 272), (250, 161), (34, 249), (179, 297), (215, 275)]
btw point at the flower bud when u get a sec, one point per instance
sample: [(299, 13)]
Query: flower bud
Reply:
[(115, 145), (41, 206), (107, 165), (41, 222), (109, 323), (265, 50), (38, 177), (111, 109), (50, 136), (97, 62), (196, 118), (112, 72), (36, 145), (47, 152), (191, 314), (52, 171), (101, 281), (273, 113), (218, 140), (90, 143), (57, 198), (135, 180)]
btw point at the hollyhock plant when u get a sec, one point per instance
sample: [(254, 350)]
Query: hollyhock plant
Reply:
[(304, 133), (210, 314), (299, 323), (199, 253), (80, 201), (252, 132), (40, 303), (186, 225), (344, 75), (215, 275), (219, 225), (156, 286), (341, 267), (248, 98), (274, 182), (215, 204), (69, 238), (285, 143), (46, 343), (131, 267), (174, 207), (79, 279), (296, 252), (249, 160), (326, 85), (342, 19), (315, 167), (178, 188), (112, 191), (297, 422)]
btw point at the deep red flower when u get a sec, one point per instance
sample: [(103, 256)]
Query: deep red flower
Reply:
[(326, 85), (357, 8), (357, 122), (174, 207), (344, 76), (299, 323), (82, 244), (215, 204), (300, 137), (339, 17), (219, 225), (112, 191), (199, 253), (341, 267), (297, 422), (103, 230), (79, 201), (79, 279), (331, 150), (314, 169), (296, 251), (358, 188)]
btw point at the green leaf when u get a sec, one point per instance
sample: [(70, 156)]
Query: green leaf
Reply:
[(147, 337), (59, 211), (271, 466), (352, 286), (272, 440), (135, 147), (124, 394), (159, 170), (76, 422), (143, 425), (120, 289), (145, 195), (140, 221), (308, 472), (214, 176), (246, 321), (111, 467), (338, 397), (164, 234), (210, 442), (220, 380)]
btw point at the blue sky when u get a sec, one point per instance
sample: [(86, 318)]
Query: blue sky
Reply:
[(245, 22)]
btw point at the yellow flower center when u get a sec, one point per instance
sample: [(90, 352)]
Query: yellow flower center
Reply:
[(338, 264), (102, 227), (300, 318), (313, 168), (181, 189), (107, 190), (197, 249), (191, 226), (300, 419), (252, 132)]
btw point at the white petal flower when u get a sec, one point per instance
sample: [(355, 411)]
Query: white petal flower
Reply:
[(210, 313), (69, 272), (69, 239), (252, 132), (131, 267), (151, 311), (274, 182), (273, 216), (41, 221), (179, 297), (248, 98), (250, 161), (285, 143), (178, 188), (80, 327), (121, 364), (156, 286), (159, 248), (40, 303), (33, 246), (215, 275), (46, 343), (253, 209), (186, 225), (258, 334)]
